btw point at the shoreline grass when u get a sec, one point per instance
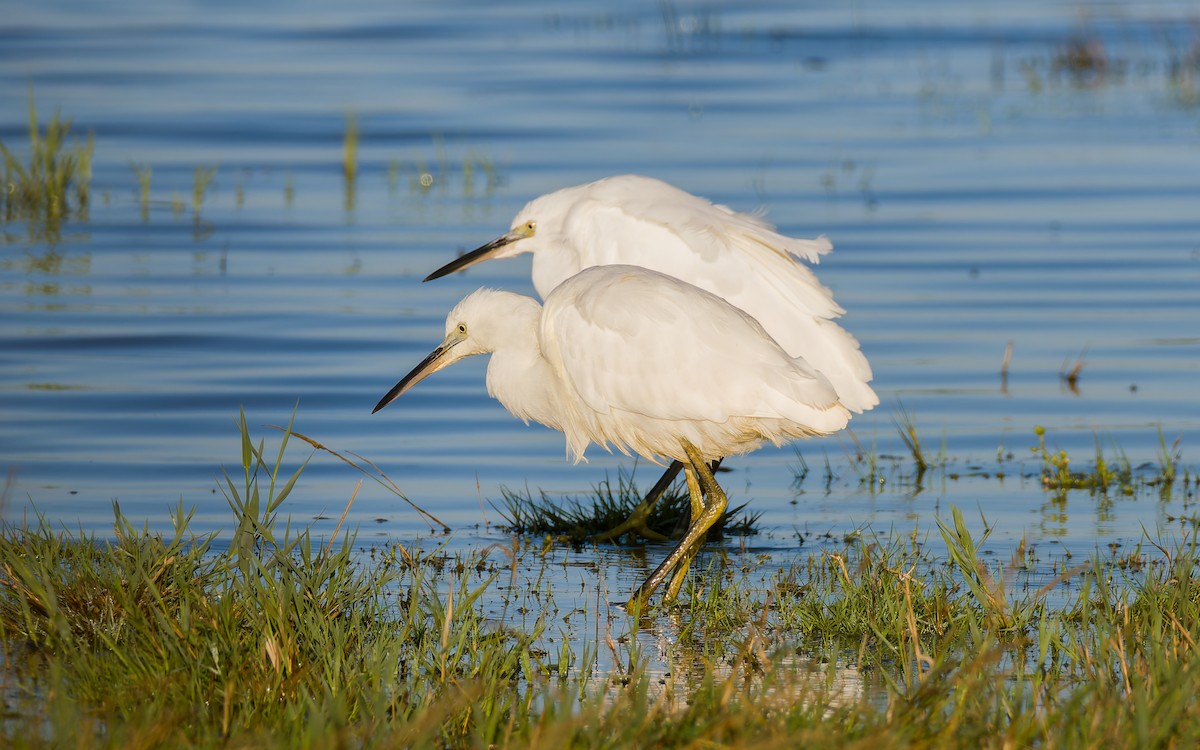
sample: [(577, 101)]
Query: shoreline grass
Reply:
[(280, 640)]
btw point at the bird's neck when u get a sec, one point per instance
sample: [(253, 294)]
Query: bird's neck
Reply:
[(519, 377), (553, 266)]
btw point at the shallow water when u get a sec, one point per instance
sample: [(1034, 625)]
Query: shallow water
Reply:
[(979, 189)]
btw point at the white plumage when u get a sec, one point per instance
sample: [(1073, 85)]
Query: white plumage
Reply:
[(635, 220), (646, 360), (626, 357)]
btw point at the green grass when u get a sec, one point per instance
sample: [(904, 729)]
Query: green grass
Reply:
[(350, 149), (906, 424), (202, 178), (143, 173), (577, 519), (53, 184), (1106, 474), (145, 640), (277, 638), (472, 171)]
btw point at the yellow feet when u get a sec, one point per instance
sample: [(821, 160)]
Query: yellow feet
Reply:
[(640, 517), (636, 522), (701, 483)]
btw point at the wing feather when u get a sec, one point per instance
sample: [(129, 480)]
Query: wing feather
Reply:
[(644, 222), (642, 343)]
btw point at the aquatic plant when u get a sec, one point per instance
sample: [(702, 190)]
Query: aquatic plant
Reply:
[(143, 173), (442, 172), (202, 178), (578, 519), (55, 183), (1105, 474), (350, 149), (907, 425)]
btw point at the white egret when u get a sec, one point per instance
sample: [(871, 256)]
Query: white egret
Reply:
[(640, 221), (625, 357)]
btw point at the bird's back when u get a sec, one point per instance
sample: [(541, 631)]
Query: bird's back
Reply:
[(647, 359), (641, 221)]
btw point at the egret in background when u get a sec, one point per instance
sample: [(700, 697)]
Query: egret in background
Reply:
[(640, 221), (626, 357)]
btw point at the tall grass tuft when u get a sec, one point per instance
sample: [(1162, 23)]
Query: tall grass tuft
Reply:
[(55, 184), (350, 164), (271, 639), (579, 519), (143, 173), (350, 149), (202, 178), (907, 426)]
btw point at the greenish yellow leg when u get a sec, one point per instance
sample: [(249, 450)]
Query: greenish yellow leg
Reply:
[(686, 550), (637, 519), (717, 501), (685, 564), (636, 522)]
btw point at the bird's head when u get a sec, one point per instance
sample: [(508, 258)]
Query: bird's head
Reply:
[(506, 245), (478, 324)]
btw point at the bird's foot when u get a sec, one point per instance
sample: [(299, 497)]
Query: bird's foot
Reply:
[(635, 524)]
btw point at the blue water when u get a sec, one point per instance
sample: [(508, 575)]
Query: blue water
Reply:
[(977, 190)]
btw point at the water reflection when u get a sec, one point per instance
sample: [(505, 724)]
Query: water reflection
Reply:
[(51, 261)]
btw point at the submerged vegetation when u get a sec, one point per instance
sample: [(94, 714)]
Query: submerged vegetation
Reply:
[(278, 638), (1107, 474), (576, 520), (54, 184)]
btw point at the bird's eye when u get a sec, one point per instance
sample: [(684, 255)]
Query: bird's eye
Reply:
[(462, 328), (531, 226)]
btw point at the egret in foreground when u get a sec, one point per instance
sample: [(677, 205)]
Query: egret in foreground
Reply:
[(641, 221), (626, 357)]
